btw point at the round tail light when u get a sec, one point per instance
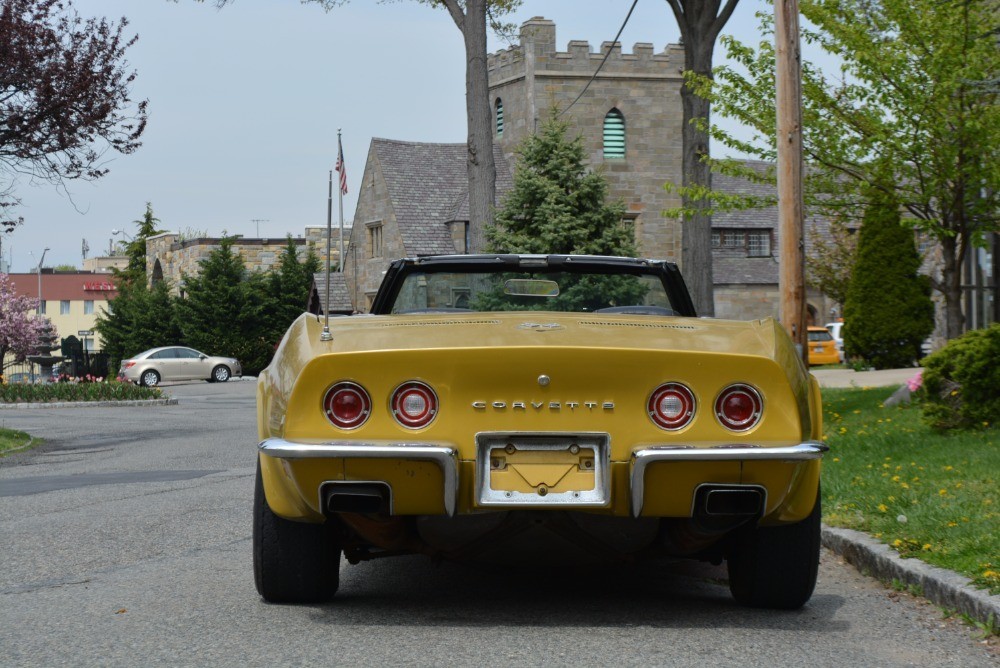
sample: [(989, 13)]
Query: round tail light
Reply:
[(347, 405), (671, 406), (739, 407), (414, 405)]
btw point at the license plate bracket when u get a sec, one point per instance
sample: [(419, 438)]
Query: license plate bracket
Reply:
[(543, 470)]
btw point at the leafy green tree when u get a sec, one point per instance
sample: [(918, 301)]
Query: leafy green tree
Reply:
[(911, 94), (223, 310), (829, 267), (888, 311), (559, 206)]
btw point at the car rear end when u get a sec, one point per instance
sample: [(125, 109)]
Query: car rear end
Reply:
[(584, 416)]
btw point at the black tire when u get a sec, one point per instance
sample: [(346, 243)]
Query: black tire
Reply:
[(293, 562), (149, 378), (220, 374), (776, 567)]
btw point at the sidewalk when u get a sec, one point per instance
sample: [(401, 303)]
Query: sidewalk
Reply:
[(851, 378)]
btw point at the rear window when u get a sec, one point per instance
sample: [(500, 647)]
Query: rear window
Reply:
[(820, 335), (530, 291)]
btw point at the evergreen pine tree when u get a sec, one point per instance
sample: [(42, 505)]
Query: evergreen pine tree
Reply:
[(888, 311), (223, 310), (288, 288), (559, 206)]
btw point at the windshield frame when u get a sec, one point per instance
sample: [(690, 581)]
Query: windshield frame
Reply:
[(535, 265)]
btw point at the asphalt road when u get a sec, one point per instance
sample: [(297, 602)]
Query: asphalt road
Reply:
[(125, 540)]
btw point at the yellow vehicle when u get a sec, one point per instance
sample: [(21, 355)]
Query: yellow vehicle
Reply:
[(492, 397), (822, 347)]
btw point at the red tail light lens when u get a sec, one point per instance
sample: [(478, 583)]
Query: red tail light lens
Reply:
[(671, 406), (414, 405), (347, 405), (739, 407), (128, 365)]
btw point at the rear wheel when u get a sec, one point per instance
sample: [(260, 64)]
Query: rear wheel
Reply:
[(293, 562), (776, 567), (149, 378), (220, 374)]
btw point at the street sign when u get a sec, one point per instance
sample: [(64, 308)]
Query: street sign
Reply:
[(83, 333)]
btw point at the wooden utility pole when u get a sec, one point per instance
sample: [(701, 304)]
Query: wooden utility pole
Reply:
[(788, 78)]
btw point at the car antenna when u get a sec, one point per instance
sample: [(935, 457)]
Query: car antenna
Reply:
[(326, 336)]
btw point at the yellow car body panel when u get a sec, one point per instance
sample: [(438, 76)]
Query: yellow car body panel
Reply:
[(488, 369)]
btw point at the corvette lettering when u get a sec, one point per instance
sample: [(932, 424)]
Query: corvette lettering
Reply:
[(539, 405)]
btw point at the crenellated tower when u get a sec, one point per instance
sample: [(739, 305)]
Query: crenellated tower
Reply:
[(630, 117)]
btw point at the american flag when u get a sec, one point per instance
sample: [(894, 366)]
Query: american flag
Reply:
[(341, 167)]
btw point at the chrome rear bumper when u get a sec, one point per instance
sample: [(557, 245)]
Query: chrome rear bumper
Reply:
[(446, 458)]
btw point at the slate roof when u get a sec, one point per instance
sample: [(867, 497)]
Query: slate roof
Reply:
[(748, 218), (428, 187), (729, 269), (340, 295)]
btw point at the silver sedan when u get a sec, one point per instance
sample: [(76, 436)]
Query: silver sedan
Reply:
[(152, 366)]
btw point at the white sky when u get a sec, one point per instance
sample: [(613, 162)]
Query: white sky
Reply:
[(245, 102)]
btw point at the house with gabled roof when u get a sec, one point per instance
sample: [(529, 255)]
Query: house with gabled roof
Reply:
[(413, 201)]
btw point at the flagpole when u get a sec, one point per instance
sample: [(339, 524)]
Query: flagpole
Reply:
[(325, 336), (340, 261)]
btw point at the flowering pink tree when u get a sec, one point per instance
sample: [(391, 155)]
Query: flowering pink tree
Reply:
[(19, 326)]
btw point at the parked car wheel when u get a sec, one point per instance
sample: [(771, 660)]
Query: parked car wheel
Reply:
[(776, 567), (293, 562), (149, 378), (220, 374)]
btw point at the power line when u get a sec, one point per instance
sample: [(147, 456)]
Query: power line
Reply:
[(605, 59)]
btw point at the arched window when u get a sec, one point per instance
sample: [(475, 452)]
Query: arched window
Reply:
[(499, 107), (157, 272), (614, 134)]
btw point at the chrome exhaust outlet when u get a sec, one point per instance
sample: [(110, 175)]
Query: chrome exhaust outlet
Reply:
[(356, 497)]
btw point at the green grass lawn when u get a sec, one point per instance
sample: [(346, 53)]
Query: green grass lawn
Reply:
[(930, 496), (11, 440)]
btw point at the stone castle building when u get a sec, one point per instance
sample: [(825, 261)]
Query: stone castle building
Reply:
[(414, 197)]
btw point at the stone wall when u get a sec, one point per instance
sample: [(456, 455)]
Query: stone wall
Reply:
[(170, 258)]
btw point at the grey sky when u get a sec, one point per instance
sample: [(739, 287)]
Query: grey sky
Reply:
[(245, 103)]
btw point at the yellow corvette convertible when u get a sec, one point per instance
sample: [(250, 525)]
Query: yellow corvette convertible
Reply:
[(531, 403)]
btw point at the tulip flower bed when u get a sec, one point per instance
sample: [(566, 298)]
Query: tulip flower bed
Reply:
[(75, 389), (929, 495)]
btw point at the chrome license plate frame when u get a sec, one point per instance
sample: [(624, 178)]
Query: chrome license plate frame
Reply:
[(489, 445)]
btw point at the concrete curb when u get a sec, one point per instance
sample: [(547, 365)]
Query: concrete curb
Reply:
[(943, 587), (93, 404)]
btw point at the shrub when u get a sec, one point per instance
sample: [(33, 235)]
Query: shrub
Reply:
[(961, 381), (86, 389)]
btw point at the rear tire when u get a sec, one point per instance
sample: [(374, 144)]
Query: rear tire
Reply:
[(293, 562), (776, 567)]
